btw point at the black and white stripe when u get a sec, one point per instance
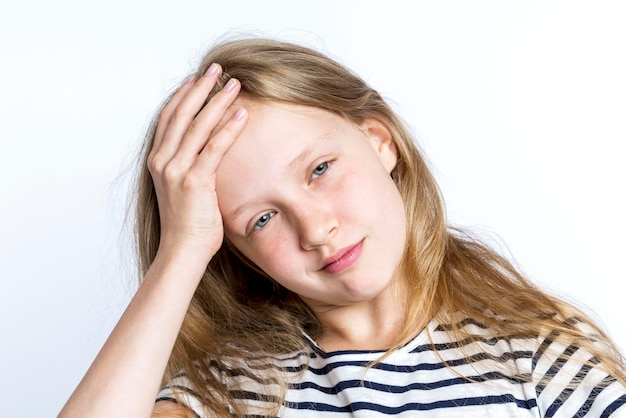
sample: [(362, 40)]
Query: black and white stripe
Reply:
[(506, 377)]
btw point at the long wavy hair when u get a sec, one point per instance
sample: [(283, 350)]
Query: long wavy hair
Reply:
[(239, 314)]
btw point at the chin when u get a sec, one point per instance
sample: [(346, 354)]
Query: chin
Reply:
[(365, 291)]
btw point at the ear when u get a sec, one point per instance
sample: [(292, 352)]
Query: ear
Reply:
[(382, 141)]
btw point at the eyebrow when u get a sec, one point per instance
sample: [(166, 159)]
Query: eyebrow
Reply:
[(324, 138), (237, 212)]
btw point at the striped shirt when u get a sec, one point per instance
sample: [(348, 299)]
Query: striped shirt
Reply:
[(492, 377)]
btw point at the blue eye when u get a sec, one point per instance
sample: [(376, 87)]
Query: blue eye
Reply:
[(263, 220), (319, 170)]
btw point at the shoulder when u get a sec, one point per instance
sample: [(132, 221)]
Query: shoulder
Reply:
[(178, 399), (574, 375), (569, 368), (251, 383)]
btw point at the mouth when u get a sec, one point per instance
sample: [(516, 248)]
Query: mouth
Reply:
[(343, 259)]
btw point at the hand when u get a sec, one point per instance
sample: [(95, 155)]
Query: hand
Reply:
[(188, 147), (186, 152)]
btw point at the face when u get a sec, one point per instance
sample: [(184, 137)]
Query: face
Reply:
[(308, 197)]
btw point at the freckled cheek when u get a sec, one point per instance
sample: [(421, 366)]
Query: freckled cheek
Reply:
[(378, 193), (277, 258), (347, 191)]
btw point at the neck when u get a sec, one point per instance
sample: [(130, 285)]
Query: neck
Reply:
[(370, 325)]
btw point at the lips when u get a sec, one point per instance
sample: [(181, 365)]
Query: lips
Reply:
[(343, 259)]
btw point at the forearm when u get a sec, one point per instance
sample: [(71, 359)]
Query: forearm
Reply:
[(125, 376), (187, 148)]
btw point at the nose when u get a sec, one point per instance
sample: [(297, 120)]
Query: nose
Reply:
[(316, 224)]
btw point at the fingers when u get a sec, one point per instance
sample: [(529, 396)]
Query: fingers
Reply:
[(186, 123), (214, 150), (202, 126), (166, 112)]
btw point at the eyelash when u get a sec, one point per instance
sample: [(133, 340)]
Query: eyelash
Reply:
[(265, 218), (324, 166)]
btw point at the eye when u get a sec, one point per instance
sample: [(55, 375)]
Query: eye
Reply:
[(319, 170), (263, 220)]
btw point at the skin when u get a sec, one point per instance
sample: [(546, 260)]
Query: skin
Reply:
[(288, 189), (192, 162)]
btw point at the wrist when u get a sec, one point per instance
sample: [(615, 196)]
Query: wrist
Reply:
[(185, 264), (187, 247)]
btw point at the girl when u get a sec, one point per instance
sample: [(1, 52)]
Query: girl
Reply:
[(297, 262)]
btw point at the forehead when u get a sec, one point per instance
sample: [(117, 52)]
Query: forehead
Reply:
[(264, 111), (278, 140), (276, 130)]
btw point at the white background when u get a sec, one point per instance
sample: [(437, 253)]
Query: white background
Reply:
[(519, 105)]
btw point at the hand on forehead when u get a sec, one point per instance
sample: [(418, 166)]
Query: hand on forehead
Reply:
[(230, 111)]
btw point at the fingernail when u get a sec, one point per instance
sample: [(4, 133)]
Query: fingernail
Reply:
[(240, 114), (230, 85), (212, 69)]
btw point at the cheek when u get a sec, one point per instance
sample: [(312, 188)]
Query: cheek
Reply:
[(349, 191), (274, 257), (370, 193)]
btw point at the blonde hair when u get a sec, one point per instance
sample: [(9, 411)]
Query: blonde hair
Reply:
[(238, 311)]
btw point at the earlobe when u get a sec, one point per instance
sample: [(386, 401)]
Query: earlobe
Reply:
[(382, 141)]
